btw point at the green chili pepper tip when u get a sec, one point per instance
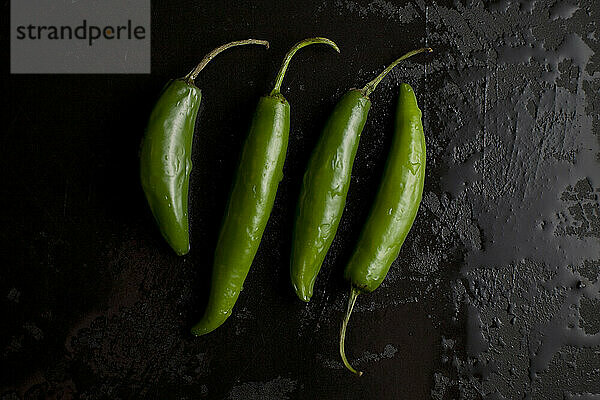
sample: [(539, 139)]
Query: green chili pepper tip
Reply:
[(353, 295), (370, 87), (189, 78), (290, 54)]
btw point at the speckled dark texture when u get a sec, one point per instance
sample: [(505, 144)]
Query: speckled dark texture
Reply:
[(496, 293)]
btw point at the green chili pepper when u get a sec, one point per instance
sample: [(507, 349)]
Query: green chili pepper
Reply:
[(166, 151), (251, 199), (394, 210), (326, 182)]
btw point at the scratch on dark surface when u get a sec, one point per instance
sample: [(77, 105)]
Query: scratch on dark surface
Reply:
[(582, 396), (366, 357), (276, 389), (65, 199)]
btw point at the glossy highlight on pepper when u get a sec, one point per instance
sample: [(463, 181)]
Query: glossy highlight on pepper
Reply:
[(254, 189), (326, 183), (166, 152)]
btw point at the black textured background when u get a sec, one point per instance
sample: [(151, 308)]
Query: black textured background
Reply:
[(496, 292)]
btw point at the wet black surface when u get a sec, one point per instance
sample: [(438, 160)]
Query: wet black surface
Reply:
[(496, 293)]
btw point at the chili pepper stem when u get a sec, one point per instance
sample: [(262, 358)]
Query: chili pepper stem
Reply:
[(191, 77), (353, 295), (290, 54), (370, 87)]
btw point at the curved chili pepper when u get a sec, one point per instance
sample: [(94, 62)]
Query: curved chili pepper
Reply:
[(394, 209), (165, 157), (251, 199), (326, 182)]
